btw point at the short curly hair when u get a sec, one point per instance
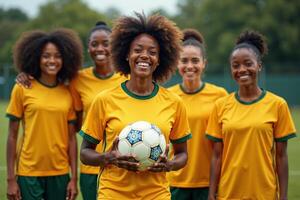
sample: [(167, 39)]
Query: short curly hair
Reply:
[(28, 50), (166, 33)]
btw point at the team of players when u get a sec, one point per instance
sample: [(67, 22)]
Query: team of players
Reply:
[(232, 139)]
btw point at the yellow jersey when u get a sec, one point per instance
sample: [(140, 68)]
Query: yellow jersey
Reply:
[(84, 88), (199, 106), (114, 109), (248, 131), (45, 113)]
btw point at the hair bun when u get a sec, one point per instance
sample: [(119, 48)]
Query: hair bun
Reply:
[(192, 34), (253, 38), (99, 23)]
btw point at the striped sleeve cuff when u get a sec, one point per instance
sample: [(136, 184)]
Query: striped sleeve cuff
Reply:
[(72, 122), (286, 138), (13, 117), (89, 138), (215, 139), (181, 140)]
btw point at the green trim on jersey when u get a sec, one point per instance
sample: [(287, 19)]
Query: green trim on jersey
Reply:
[(72, 121), (100, 76), (88, 137), (48, 86), (215, 139), (12, 117), (181, 140), (196, 91), (285, 138), (261, 96), (153, 93)]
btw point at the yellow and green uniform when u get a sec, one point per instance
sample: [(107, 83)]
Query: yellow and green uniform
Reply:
[(114, 109), (84, 88), (248, 131), (199, 106), (45, 113)]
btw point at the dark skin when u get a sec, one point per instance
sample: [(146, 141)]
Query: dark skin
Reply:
[(72, 190), (50, 56), (282, 169), (13, 190), (143, 58), (89, 156), (245, 67), (215, 169), (98, 45)]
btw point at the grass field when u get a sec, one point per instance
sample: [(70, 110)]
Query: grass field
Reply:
[(293, 150)]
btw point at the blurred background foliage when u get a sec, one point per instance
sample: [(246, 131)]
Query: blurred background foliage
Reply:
[(219, 21)]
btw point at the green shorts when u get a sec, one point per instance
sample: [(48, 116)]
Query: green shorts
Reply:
[(189, 193), (43, 187), (88, 186)]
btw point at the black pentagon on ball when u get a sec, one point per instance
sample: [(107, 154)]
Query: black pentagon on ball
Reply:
[(155, 152), (134, 136)]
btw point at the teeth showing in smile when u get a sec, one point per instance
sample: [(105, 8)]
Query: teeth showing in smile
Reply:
[(52, 67), (142, 64), (244, 77), (100, 57)]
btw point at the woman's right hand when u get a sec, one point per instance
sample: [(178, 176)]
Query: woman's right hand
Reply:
[(24, 80), (127, 162), (13, 190)]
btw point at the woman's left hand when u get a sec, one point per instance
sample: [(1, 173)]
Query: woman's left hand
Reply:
[(163, 164), (72, 190)]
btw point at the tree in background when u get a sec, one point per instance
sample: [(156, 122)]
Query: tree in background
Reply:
[(10, 21), (221, 21), (74, 14)]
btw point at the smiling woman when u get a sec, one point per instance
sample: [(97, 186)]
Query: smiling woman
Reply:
[(49, 146), (147, 49), (249, 129), (192, 181)]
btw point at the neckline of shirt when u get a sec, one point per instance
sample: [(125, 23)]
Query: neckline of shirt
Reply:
[(141, 97), (261, 96)]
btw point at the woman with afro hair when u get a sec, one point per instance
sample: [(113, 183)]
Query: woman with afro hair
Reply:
[(48, 147), (147, 49), (84, 87), (192, 181), (249, 129)]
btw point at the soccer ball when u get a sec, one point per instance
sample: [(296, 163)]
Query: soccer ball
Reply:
[(144, 140)]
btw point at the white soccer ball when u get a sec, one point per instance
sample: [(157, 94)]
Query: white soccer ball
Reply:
[(144, 140)]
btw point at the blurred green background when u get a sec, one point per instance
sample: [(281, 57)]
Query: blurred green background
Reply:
[(220, 22)]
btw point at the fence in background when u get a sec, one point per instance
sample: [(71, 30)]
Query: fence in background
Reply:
[(284, 85)]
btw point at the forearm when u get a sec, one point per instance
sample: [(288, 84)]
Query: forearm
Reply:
[(89, 156), (93, 158), (11, 157), (78, 120), (215, 170), (179, 161), (282, 171), (73, 156), (11, 149)]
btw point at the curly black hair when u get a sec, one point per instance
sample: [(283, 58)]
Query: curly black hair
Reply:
[(167, 34), (28, 49), (252, 40), (191, 37)]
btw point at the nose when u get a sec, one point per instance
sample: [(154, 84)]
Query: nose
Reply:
[(100, 48), (52, 59), (189, 65), (242, 68), (144, 55)]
